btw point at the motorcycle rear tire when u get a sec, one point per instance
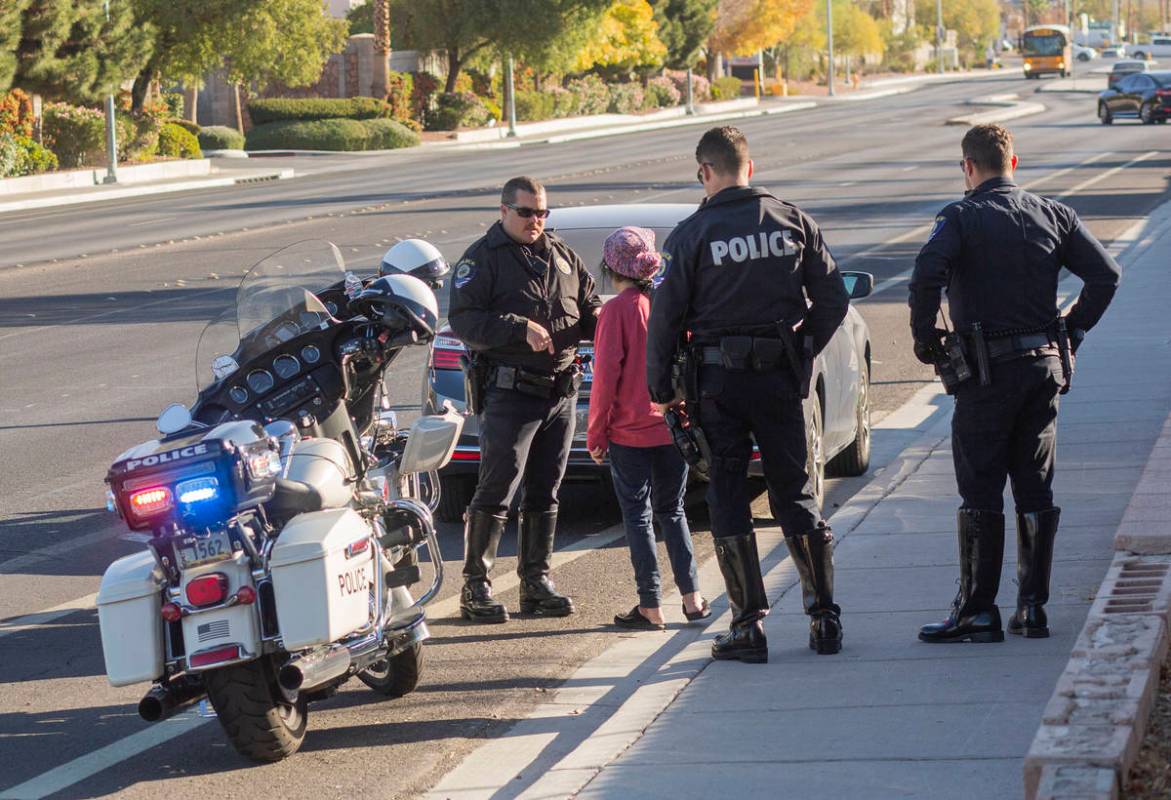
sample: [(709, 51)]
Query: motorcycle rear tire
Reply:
[(260, 723), (397, 675)]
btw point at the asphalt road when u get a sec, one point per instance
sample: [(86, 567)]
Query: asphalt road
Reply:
[(91, 348)]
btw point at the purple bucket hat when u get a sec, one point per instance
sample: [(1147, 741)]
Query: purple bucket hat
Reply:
[(630, 251)]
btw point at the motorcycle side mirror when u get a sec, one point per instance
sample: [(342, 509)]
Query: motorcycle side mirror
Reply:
[(174, 418)]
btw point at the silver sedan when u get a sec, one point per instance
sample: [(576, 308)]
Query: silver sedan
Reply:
[(837, 414)]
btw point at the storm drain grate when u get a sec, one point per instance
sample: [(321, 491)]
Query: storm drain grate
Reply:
[(1136, 587)]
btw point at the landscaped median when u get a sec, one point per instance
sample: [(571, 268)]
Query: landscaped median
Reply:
[(354, 124)]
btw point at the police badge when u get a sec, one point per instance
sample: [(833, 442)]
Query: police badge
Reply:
[(562, 265)]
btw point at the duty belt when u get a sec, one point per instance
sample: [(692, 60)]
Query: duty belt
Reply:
[(1006, 346), (744, 354), (536, 384)]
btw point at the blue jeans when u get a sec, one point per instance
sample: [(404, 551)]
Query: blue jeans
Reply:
[(652, 480)]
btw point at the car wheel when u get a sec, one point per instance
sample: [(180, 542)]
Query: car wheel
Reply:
[(814, 448), (1140, 55), (454, 496), (1147, 114), (855, 459), (1083, 56), (1104, 115)]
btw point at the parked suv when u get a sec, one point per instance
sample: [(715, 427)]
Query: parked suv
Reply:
[(1160, 47), (837, 415)]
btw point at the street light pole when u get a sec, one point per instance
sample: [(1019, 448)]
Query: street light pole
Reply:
[(510, 86), (939, 36), (111, 133), (829, 36)]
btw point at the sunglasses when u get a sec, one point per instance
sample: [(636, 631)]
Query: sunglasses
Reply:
[(526, 212)]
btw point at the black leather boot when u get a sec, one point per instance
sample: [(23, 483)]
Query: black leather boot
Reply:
[(1035, 533), (481, 538), (740, 563), (813, 554), (535, 548), (974, 616)]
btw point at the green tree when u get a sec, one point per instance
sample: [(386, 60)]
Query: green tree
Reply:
[(533, 30), (684, 27), (746, 26), (10, 28), (361, 19), (976, 22), (260, 40), (856, 33), (68, 50)]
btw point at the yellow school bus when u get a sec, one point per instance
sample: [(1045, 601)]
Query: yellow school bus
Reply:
[(1046, 50)]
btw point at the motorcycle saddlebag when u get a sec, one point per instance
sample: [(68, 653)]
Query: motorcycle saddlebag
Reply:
[(323, 577), (129, 604)]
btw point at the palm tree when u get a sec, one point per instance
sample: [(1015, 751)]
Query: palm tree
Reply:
[(381, 84)]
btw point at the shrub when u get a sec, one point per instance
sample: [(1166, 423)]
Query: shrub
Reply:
[(700, 86), (493, 107), (661, 92), (386, 134), (32, 158), (220, 137), (423, 94), (457, 110), (138, 136), (401, 86), (279, 109), (330, 134), (178, 142), (318, 134), (9, 154), (186, 124), (532, 106), (626, 98), (77, 135), (564, 102), (16, 113), (591, 93), (174, 103), (726, 88)]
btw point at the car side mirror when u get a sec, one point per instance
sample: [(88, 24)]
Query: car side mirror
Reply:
[(858, 284)]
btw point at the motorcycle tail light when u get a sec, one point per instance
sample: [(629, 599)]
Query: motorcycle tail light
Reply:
[(446, 353), (245, 595), (171, 612), (209, 657), (266, 464), (149, 502), (207, 590)]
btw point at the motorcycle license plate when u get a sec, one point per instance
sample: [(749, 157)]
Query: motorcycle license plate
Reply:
[(191, 551), (587, 369)]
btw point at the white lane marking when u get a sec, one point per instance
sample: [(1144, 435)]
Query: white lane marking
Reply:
[(911, 168), (41, 618), (1108, 173), (80, 768), (90, 764)]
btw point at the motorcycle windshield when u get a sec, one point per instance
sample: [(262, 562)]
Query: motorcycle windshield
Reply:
[(275, 302)]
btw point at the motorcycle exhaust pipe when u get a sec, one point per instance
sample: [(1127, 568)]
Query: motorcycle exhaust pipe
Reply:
[(162, 702), (303, 673)]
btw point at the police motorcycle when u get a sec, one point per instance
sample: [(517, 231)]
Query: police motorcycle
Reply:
[(284, 511)]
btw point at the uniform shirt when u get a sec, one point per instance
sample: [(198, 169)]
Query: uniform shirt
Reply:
[(499, 285), (743, 261), (999, 253), (620, 406)]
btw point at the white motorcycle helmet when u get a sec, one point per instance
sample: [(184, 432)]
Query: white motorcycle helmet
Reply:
[(401, 303), (416, 257)]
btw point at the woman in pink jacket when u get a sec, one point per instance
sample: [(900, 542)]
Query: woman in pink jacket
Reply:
[(649, 474)]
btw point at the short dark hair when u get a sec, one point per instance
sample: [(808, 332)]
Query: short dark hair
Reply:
[(726, 149), (521, 183), (989, 147)]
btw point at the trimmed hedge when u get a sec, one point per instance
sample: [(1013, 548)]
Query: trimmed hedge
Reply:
[(178, 142), (185, 124), (220, 137), (330, 134), (726, 88), (458, 110), (281, 109)]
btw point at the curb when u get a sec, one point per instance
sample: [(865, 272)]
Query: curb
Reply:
[(1009, 107), (1095, 721), (140, 191), (673, 123)]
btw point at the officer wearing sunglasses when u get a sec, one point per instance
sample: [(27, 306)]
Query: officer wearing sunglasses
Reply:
[(521, 300)]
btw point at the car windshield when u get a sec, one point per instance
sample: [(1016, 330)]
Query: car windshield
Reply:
[(587, 243), (1044, 45), (275, 302), (1129, 66)]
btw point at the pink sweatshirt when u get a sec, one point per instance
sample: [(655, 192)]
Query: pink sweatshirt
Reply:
[(620, 404)]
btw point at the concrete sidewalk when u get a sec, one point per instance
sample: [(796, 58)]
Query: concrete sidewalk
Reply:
[(889, 717)]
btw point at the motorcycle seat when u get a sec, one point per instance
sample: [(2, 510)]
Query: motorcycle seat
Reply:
[(292, 498)]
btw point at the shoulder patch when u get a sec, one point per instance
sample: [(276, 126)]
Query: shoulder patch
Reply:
[(940, 221), (465, 270), (664, 265), (562, 264)]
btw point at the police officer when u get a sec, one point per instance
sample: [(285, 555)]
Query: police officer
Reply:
[(737, 273), (521, 300), (999, 253)]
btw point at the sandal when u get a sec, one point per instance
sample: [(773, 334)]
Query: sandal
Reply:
[(634, 620), (704, 612)]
